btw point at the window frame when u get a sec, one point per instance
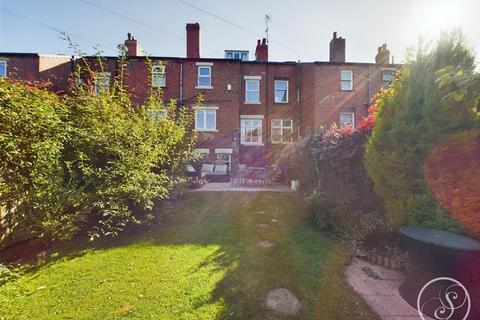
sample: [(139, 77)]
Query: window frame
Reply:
[(350, 80), (352, 113), (162, 74), (204, 128), (391, 72), (281, 127), (203, 76), (275, 90), (6, 68), (247, 90), (260, 131), (97, 77)]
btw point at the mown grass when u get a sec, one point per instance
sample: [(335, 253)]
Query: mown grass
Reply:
[(204, 263)]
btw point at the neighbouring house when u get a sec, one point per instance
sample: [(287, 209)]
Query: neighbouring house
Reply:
[(251, 108)]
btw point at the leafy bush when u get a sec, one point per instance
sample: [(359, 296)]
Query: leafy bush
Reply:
[(332, 168), (433, 97), (87, 162), (32, 135)]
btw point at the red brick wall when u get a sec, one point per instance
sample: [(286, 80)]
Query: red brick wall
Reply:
[(315, 98), (22, 67), (56, 70), (322, 98)]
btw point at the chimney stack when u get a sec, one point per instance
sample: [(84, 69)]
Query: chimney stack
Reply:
[(134, 48), (337, 49), (383, 55), (193, 40), (261, 52)]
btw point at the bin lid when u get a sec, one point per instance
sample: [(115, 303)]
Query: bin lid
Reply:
[(440, 238)]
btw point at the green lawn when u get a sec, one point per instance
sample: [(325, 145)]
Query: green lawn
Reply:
[(203, 263)]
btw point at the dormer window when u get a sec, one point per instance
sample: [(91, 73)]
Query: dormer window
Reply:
[(236, 55)]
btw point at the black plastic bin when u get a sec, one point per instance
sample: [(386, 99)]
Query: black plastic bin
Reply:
[(434, 254)]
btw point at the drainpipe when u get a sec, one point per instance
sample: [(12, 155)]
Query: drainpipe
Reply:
[(298, 102), (181, 83), (369, 86), (266, 107)]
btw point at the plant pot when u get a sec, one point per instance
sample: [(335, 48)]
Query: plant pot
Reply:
[(295, 185)]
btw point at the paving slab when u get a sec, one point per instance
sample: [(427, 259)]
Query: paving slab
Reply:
[(380, 292)]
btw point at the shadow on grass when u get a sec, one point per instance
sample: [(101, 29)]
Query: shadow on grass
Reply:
[(301, 260)]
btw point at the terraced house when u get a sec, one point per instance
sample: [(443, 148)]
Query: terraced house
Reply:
[(252, 108)]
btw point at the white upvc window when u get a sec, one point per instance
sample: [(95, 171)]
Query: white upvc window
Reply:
[(346, 80), (281, 91), (3, 68), (159, 78), (252, 91), (236, 55), (206, 119), (347, 120), (102, 82), (282, 130), (251, 131), (387, 76), (204, 77)]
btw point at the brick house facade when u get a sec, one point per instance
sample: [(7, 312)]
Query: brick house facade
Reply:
[(250, 109)]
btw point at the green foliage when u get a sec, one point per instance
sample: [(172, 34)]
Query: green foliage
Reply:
[(424, 209), (32, 136), (332, 167), (434, 95), (87, 162)]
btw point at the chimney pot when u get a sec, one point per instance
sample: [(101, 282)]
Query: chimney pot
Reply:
[(193, 40), (383, 55), (261, 52), (337, 49), (133, 47)]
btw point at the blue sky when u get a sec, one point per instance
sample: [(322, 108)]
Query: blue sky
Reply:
[(299, 30)]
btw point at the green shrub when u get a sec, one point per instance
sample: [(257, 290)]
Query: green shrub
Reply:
[(344, 201), (33, 131), (434, 96), (319, 208), (87, 163)]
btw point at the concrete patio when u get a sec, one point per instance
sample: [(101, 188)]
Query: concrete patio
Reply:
[(381, 291), (229, 186)]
